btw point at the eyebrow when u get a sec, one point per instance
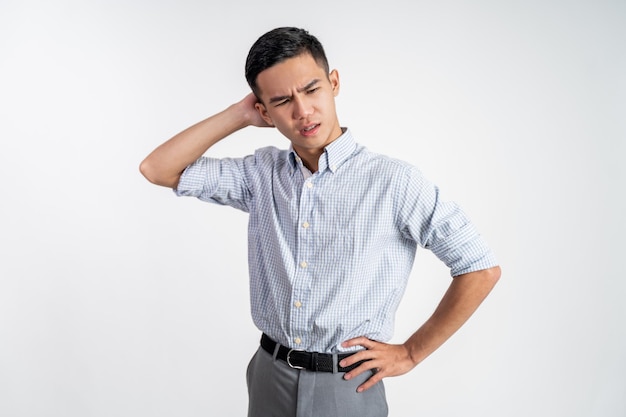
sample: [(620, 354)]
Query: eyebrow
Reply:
[(299, 90)]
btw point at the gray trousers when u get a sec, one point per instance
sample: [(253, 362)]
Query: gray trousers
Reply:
[(277, 390)]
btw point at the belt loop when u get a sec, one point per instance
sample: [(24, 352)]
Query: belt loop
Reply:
[(335, 364), (276, 348), (314, 361)]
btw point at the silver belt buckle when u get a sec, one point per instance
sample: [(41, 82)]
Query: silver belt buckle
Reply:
[(288, 359)]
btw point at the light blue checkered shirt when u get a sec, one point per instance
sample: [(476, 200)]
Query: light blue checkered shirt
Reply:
[(330, 252)]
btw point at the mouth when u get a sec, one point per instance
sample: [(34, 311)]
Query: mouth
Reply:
[(310, 130)]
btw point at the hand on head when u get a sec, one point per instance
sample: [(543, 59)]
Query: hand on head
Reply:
[(248, 105)]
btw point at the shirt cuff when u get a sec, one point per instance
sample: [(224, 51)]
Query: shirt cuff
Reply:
[(464, 251), (200, 179)]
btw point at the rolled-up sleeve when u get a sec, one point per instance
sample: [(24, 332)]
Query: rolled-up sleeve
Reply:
[(463, 251), (218, 181), (443, 228), (199, 179)]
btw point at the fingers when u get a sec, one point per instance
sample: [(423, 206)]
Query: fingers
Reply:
[(376, 377), (373, 380), (369, 356), (363, 355), (382, 359), (359, 341)]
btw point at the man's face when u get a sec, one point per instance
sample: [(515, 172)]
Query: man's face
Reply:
[(298, 97)]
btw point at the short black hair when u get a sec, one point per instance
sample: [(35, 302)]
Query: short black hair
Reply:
[(280, 44)]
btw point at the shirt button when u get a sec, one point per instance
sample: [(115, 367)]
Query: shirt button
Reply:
[(297, 340), (305, 225), (303, 264), (309, 184), (298, 304)]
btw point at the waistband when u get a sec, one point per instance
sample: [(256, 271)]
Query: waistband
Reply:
[(311, 361)]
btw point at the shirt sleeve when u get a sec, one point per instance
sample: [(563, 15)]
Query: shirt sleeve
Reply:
[(218, 181), (443, 228)]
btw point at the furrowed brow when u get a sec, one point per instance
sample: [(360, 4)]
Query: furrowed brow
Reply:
[(308, 86), (299, 90), (279, 98)]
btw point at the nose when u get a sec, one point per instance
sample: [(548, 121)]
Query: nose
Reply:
[(302, 108)]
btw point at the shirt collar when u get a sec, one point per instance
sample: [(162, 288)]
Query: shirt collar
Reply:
[(335, 154)]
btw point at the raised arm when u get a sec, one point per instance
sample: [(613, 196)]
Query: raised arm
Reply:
[(165, 164)]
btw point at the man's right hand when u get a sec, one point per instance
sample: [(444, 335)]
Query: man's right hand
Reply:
[(248, 106), (166, 163)]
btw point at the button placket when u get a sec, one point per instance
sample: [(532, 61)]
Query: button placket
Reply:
[(301, 282)]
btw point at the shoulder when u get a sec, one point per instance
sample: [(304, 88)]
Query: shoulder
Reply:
[(269, 155), (270, 152), (265, 161), (385, 164), (398, 178)]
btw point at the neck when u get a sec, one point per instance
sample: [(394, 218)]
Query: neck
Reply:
[(310, 158)]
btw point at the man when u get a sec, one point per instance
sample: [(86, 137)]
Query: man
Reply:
[(333, 232)]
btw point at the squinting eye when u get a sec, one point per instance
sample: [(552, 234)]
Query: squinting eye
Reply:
[(312, 90)]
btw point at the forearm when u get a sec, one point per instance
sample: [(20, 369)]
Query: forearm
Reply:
[(465, 294), (166, 163)]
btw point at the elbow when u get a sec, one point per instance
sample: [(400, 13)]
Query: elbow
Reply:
[(497, 272), (493, 275), (485, 278), (156, 176), (147, 171)]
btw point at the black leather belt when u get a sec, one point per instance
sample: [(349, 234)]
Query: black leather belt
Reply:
[(311, 361)]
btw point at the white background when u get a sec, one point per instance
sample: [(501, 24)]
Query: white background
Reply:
[(119, 299)]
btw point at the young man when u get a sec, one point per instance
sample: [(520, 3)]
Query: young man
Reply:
[(333, 232)]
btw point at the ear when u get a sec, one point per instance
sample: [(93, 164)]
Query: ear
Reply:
[(260, 107), (334, 81)]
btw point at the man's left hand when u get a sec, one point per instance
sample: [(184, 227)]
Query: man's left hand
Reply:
[(383, 359)]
